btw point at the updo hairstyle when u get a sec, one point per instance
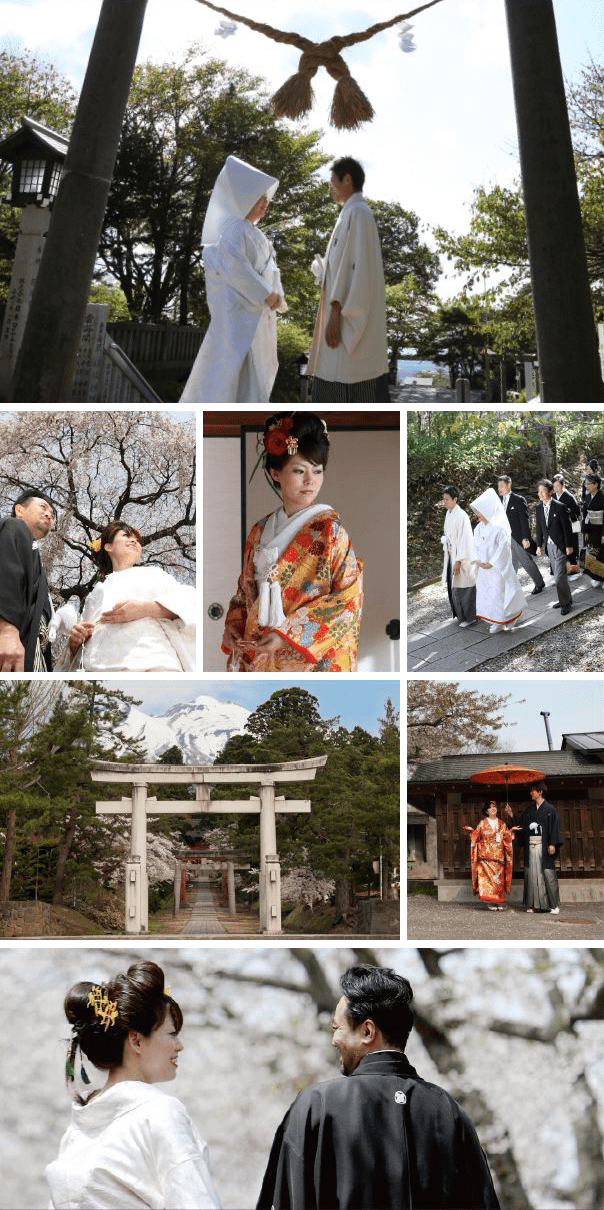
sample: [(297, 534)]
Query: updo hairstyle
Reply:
[(311, 434), (142, 1004), (486, 804), (107, 536)]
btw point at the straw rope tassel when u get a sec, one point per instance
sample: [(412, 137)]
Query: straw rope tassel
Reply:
[(350, 107)]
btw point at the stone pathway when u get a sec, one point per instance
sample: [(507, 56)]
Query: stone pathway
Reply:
[(412, 392), (429, 920), (447, 648), (204, 922)]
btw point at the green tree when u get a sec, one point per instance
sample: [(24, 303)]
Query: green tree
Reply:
[(455, 337), (23, 709), (182, 121), (403, 252), (409, 316), (355, 801)]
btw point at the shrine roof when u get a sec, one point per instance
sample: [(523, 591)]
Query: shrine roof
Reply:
[(567, 763)]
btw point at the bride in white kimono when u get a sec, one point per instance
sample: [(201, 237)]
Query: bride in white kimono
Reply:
[(137, 619), (128, 1144), (499, 597), (237, 362)]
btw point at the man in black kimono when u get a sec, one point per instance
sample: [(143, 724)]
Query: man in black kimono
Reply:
[(555, 537), (25, 607), (542, 844), (593, 523), (381, 1137), (566, 497)]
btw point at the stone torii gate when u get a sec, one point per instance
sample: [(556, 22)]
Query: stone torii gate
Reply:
[(203, 777)]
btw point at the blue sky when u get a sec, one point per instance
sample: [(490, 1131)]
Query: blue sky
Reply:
[(358, 703), (574, 705), (445, 119)]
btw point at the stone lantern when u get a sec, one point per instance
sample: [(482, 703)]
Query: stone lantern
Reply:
[(37, 155)]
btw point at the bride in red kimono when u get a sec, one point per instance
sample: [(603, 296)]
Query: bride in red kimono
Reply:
[(298, 602), (491, 858)]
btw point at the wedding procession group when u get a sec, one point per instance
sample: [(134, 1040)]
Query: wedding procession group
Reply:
[(377, 1135), (480, 566), (237, 362), (134, 618)]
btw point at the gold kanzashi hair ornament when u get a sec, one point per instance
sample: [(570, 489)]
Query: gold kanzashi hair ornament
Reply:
[(104, 1008), (350, 107), (95, 546)]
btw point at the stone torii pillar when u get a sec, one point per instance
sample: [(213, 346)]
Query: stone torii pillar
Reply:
[(139, 806)]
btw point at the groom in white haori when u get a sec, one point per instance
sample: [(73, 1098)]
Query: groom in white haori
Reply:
[(349, 354), (459, 571), (499, 597)]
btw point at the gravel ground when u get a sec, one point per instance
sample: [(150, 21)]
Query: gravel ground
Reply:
[(429, 920), (577, 646)]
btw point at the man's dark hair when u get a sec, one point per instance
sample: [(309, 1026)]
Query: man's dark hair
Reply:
[(378, 994), (540, 786), (451, 491), (347, 164), (504, 478), (594, 464), (546, 483), (33, 493)]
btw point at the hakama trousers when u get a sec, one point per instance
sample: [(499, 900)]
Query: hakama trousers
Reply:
[(373, 390), (540, 885), (461, 600)]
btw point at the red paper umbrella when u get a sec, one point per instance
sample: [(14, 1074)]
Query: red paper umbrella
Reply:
[(506, 775)]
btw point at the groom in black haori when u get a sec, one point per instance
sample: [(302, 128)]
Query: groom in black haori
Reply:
[(542, 843), (382, 1137), (25, 607)]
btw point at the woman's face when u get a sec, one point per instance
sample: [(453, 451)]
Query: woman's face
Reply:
[(480, 517), (124, 551), (300, 482), (258, 210), (492, 810), (159, 1053)]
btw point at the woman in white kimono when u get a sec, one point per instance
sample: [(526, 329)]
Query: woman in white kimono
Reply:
[(137, 619), (237, 362), (499, 597), (128, 1144), (459, 570)]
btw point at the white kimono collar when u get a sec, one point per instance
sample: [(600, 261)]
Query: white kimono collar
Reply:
[(276, 537)]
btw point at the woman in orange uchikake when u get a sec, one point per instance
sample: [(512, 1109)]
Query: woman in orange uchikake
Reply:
[(298, 602), (491, 858)]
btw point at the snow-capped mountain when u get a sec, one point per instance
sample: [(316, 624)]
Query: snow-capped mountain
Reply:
[(201, 728)]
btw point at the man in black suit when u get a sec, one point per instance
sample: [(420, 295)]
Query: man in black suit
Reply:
[(516, 510), (25, 607), (554, 534)]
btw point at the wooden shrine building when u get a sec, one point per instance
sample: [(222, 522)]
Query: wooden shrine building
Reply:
[(575, 782)]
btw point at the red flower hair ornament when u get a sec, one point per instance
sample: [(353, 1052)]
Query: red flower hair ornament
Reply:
[(277, 440)]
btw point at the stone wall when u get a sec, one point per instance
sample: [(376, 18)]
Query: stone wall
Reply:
[(22, 919), (381, 917)]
